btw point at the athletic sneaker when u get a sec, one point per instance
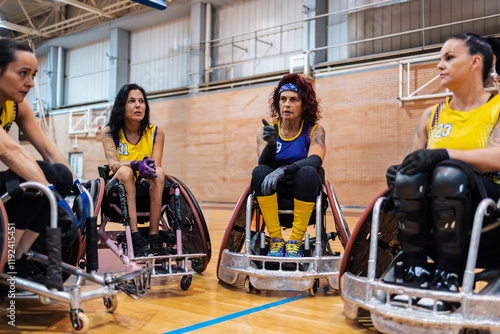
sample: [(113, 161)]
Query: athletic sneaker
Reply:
[(156, 244), (141, 248), (276, 247), (413, 276), (445, 281), (293, 248), (417, 276)]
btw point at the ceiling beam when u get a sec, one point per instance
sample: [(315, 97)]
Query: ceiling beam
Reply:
[(115, 7), (18, 28), (26, 14), (86, 7)]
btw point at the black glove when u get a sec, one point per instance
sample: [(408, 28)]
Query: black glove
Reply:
[(422, 160), (270, 133), (65, 219), (390, 175), (270, 182)]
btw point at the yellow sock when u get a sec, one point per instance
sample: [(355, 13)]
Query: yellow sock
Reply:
[(269, 209), (301, 215)]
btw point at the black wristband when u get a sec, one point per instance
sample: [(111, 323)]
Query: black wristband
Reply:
[(313, 161), (134, 165)]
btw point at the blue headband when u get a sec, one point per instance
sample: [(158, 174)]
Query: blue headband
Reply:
[(288, 86)]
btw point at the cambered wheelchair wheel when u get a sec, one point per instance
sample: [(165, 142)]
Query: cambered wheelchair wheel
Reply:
[(96, 190), (234, 237), (355, 259), (340, 223), (4, 229), (195, 237)]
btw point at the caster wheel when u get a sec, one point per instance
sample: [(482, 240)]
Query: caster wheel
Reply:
[(110, 303), (314, 288), (186, 282), (248, 285), (80, 322)]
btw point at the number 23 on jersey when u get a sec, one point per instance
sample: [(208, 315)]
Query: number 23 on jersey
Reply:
[(442, 130)]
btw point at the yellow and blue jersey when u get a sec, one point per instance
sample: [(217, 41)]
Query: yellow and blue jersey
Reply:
[(290, 150), (461, 130)]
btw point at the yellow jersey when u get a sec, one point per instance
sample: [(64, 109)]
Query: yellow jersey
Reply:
[(464, 130), (144, 147), (8, 115)]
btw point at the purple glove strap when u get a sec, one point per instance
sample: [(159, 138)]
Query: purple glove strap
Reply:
[(147, 169)]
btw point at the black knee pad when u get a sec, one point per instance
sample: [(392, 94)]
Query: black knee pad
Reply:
[(259, 173), (306, 184), (450, 206), (64, 180), (59, 175), (410, 200)]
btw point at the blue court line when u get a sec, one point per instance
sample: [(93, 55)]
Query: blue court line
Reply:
[(234, 315)]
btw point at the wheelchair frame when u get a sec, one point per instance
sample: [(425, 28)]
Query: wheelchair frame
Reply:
[(308, 269), (72, 295), (178, 264), (478, 311)]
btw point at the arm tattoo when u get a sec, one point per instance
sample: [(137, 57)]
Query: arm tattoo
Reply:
[(417, 133), (417, 130), (495, 136), (319, 137), (110, 151)]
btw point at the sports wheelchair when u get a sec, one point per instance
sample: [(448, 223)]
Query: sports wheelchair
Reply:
[(369, 270), (182, 228), (57, 261), (245, 245)]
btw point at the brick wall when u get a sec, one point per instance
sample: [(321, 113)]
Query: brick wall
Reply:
[(210, 139)]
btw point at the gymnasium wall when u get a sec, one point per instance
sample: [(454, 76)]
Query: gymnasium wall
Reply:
[(211, 137)]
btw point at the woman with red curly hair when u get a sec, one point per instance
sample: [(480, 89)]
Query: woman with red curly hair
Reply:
[(291, 150)]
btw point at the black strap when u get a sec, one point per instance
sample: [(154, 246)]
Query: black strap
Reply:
[(12, 183)]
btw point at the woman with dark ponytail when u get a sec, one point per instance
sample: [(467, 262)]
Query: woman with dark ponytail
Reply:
[(453, 163), (30, 214)]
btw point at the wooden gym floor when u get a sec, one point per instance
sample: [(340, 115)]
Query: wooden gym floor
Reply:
[(206, 307)]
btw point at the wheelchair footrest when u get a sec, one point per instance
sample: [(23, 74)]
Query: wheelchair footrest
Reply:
[(280, 273), (135, 284), (415, 310), (291, 267), (170, 265)]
